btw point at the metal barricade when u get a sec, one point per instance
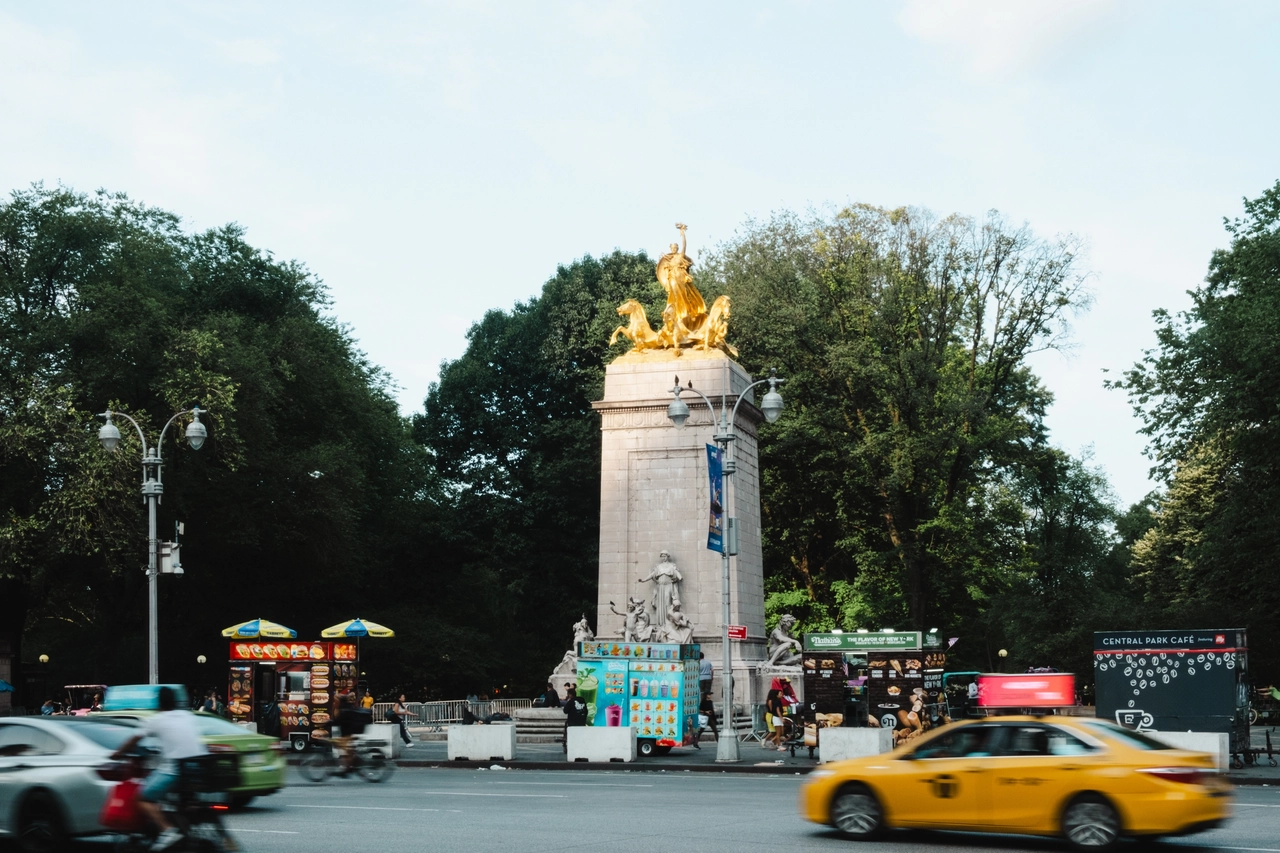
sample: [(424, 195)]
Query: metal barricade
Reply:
[(434, 716)]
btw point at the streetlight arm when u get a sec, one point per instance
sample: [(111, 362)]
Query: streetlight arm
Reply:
[(192, 411), (772, 379), (110, 414)]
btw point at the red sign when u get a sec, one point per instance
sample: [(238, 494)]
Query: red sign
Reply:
[(344, 651), (737, 632), (269, 651), (1028, 690)]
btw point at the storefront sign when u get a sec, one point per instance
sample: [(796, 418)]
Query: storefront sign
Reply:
[(1028, 690), (648, 651), (268, 651), (897, 641), (1208, 640)]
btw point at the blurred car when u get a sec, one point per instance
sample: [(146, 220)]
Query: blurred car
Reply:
[(1086, 780), (50, 788), (259, 759)]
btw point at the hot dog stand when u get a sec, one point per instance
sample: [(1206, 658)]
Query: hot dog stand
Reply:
[(303, 679)]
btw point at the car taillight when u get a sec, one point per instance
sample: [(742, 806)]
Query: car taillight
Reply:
[(217, 748), (1185, 775)]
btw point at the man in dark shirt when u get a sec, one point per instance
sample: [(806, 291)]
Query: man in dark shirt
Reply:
[(575, 712)]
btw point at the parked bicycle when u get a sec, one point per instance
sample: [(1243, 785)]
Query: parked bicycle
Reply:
[(367, 761)]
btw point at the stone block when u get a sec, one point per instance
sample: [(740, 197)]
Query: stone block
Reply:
[(840, 744), (1217, 744), (493, 742), (385, 736), (601, 743)]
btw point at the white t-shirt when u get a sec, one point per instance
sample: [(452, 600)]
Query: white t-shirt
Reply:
[(178, 734)]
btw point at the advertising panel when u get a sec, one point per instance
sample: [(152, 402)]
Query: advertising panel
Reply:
[(265, 650), (240, 693), (662, 700), (715, 523), (602, 684), (1027, 690), (895, 691), (896, 641), (637, 651), (1185, 680)]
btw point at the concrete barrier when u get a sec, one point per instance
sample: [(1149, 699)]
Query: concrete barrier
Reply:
[(1217, 744), (493, 742), (385, 736), (601, 743), (841, 743)]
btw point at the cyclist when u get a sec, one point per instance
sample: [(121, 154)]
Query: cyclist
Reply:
[(179, 737), (351, 723)]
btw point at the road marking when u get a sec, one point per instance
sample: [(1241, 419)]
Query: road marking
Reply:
[(1255, 806), (362, 808), (577, 784), (480, 794), (264, 831)]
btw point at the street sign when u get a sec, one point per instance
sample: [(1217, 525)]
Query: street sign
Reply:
[(897, 641), (737, 632)]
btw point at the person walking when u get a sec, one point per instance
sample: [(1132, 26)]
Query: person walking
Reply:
[(399, 713), (773, 711), (575, 712), (705, 673), (708, 709)]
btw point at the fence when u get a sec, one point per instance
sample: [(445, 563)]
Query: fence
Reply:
[(437, 715)]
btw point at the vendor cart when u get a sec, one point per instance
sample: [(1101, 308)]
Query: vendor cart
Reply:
[(652, 686), (290, 688)]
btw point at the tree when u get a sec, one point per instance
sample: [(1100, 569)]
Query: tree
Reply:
[(1209, 397), (904, 338)]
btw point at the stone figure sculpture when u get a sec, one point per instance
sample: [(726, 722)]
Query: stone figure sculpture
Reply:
[(666, 587), (582, 633), (686, 322), (780, 641), (631, 619), (678, 628)]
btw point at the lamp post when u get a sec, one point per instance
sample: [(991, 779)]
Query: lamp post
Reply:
[(152, 489), (678, 412)]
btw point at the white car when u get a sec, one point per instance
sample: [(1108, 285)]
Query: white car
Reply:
[(49, 783)]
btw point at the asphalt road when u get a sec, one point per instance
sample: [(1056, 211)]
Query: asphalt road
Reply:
[(619, 812)]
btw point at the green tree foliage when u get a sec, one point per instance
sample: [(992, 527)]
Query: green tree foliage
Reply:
[(510, 430), (1209, 397), (107, 303), (904, 338)]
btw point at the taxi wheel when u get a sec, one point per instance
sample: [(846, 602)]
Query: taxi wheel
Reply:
[(856, 812), (1091, 823)]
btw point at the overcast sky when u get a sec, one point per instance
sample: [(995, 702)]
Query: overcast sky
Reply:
[(430, 161)]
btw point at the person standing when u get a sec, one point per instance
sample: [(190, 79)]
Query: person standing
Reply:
[(400, 714), (705, 673), (366, 700), (550, 699), (575, 712)]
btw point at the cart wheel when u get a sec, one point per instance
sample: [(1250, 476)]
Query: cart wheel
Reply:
[(1249, 758), (1253, 716), (646, 747), (1273, 762), (1238, 763)]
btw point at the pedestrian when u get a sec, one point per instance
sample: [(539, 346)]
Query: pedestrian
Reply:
[(97, 703), (47, 709), (400, 714), (210, 705), (550, 699), (705, 673), (366, 700), (708, 709), (575, 712), (773, 711)]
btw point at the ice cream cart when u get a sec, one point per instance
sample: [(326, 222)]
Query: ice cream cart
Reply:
[(302, 679), (653, 687)]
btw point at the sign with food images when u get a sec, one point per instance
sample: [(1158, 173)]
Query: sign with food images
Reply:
[(824, 681), (265, 650), (240, 693), (900, 694), (895, 641), (1180, 680)]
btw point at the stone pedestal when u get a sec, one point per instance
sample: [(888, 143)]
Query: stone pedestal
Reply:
[(654, 496)]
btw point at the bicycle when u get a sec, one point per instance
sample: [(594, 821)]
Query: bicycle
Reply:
[(194, 805), (367, 761)]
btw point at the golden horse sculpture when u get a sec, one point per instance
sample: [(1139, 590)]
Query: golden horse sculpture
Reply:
[(686, 322)]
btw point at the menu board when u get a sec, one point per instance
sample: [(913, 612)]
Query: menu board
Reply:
[(635, 651), (825, 675), (240, 693), (265, 650), (655, 699), (603, 686), (894, 686)]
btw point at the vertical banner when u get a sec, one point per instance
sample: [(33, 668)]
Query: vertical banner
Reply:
[(715, 525)]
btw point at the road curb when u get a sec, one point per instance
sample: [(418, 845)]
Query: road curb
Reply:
[(625, 766)]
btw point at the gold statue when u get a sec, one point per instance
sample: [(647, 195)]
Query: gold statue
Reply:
[(685, 321)]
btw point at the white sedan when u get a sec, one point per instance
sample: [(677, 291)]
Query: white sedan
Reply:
[(49, 783)]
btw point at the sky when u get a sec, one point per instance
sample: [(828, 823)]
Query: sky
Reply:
[(432, 161)]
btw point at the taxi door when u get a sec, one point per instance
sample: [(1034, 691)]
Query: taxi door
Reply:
[(1036, 767), (946, 781)]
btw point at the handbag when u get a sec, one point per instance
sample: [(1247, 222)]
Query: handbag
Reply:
[(120, 811)]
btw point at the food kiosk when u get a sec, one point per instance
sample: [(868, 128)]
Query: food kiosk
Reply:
[(1182, 680), (653, 686), (302, 679), (887, 679)]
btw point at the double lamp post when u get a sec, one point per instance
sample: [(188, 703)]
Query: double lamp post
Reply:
[(678, 412), (152, 489)]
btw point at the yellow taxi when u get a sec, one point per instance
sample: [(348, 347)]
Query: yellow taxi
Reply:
[(1086, 780)]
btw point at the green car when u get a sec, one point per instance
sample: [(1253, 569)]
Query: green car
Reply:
[(260, 758)]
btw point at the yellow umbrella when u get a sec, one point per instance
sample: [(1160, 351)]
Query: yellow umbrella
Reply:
[(259, 628), (357, 628)]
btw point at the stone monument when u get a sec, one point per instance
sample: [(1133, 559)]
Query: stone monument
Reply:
[(654, 490)]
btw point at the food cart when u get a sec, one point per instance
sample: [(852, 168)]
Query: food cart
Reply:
[(301, 679), (888, 679), (1184, 680), (653, 686)]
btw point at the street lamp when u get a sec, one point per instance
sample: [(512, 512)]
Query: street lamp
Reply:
[(201, 659), (152, 489), (44, 658), (678, 412)]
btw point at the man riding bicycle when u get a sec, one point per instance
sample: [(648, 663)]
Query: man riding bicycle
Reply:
[(351, 723), (179, 737)]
